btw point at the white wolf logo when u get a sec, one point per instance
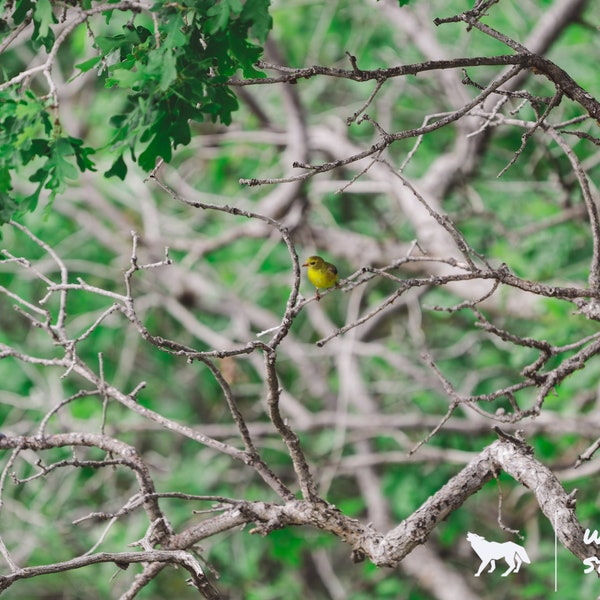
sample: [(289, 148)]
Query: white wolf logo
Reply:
[(489, 552)]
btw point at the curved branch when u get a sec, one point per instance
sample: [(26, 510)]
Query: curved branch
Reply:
[(108, 444), (122, 560), (524, 59), (507, 454)]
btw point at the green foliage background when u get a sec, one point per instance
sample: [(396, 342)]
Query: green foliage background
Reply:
[(153, 103)]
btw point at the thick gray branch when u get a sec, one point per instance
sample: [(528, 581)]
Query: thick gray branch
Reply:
[(514, 458)]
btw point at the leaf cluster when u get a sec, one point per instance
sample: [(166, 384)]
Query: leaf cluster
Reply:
[(172, 64)]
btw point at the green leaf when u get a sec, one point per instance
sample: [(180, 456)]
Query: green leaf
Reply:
[(43, 17), (169, 70), (82, 154), (36, 147), (125, 78), (30, 112), (223, 103), (22, 7), (175, 37), (118, 169), (40, 175), (8, 207), (5, 180), (108, 43), (222, 13), (256, 12), (63, 167), (117, 121), (57, 168), (246, 53), (29, 203), (86, 65), (159, 146), (143, 33)]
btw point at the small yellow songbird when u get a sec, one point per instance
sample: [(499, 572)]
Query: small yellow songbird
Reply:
[(320, 273)]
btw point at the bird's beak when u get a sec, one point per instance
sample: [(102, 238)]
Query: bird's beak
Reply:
[(305, 264)]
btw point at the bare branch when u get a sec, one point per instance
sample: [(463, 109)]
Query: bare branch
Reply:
[(122, 560)]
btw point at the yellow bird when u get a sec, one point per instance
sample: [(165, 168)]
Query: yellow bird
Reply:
[(320, 273)]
